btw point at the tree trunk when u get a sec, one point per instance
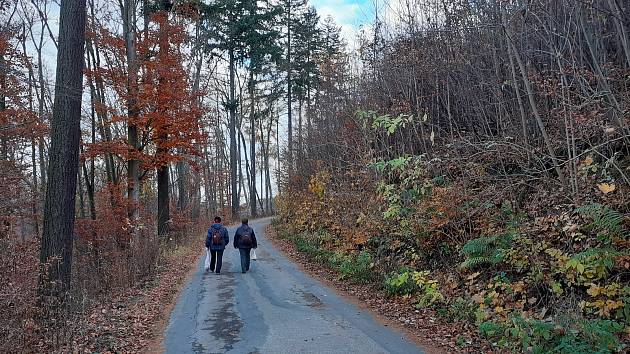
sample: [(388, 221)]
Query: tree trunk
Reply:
[(162, 151), (183, 184), (532, 102), (80, 194), (90, 190), (40, 112), (3, 103), (241, 180), (133, 164), (97, 92), (252, 147), (163, 199), (233, 141), (196, 191), (58, 231), (300, 153), (289, 93), (621, 30)]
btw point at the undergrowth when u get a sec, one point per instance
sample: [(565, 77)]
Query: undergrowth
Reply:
[(539, 277)]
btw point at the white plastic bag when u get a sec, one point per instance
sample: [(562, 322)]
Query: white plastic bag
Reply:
[(253, 257), (207, 263)]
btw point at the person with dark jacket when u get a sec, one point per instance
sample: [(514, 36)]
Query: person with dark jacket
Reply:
[(216, 241), (245, 240)]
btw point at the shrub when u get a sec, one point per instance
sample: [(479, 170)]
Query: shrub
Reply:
[(357, 268), (536, 336), (400, 284), (408, 283), (459, 309)]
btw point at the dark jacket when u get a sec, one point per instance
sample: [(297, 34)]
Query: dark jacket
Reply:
[(240, 232), (223, 231)]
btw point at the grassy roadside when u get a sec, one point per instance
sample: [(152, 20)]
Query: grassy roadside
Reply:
[(539, 275), (423, 302), (353, 274)]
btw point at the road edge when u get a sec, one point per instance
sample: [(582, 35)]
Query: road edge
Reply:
[(289, 251), (156, 343)]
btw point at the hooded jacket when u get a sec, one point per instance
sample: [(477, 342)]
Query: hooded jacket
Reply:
[(239, 233), (224, 233)]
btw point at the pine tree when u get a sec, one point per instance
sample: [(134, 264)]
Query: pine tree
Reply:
[(292, 9), (263, 52), (225, 26), (308, 43)]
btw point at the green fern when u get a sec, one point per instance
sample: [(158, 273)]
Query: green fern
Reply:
[(607, 223), (484, 251)]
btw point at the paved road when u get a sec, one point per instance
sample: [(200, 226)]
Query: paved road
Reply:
[(274, 308)]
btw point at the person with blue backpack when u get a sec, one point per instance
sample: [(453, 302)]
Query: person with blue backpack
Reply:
[(216, 240), (245, 240)]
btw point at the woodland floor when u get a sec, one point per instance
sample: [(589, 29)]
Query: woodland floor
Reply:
[(133, 321)]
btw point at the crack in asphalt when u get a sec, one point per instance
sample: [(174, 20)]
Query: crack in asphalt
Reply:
[(274, 308), (224, 322)]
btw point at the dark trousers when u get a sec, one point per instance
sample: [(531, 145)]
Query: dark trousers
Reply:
[(244, 259), (216, 257)]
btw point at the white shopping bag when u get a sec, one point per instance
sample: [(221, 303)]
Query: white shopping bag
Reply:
[(207, 263), (253, 257)]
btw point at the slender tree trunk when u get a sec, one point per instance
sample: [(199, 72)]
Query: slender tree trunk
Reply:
[(90, 190), (196, 192), (98, 87), (289, 93), (532, 102), (278, 149), (601, 77), (621, 30), (269, 194), (242, 151), (233, 141), (3, 103), (300, 152), (252, 146), (163, 199), (40, 112), (58, 230), (96, 99), (89, 178), (80, 192), (183, 184), (517, 92), (162, 151), (31, 78), (133, 164)]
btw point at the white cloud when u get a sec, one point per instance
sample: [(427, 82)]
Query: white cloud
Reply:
[(348, 14)]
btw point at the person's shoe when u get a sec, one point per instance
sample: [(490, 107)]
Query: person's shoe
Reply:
[(243, 272)]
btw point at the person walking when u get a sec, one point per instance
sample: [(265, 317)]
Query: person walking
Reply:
[(245, 240), (216, 241)]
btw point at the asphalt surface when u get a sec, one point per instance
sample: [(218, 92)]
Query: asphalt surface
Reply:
[(274, 308)]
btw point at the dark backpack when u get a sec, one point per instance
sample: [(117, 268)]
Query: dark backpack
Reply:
[(217, 240), (247, 240)]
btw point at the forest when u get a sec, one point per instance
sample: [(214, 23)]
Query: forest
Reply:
[(465, 161)]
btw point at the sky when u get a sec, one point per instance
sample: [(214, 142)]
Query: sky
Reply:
[(348, 14)]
